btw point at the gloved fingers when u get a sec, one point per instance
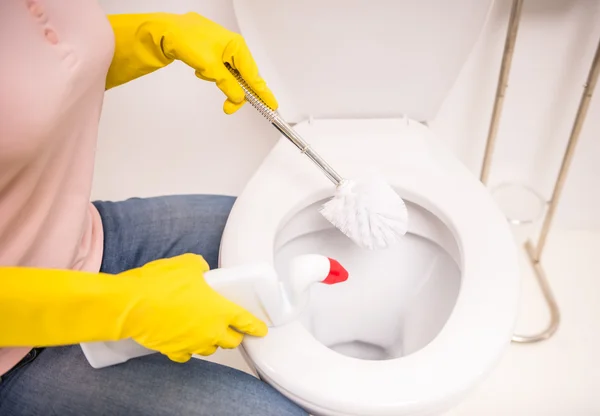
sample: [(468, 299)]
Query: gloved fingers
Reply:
[(179, 357), (238, 56), (207, 351), (247, 323), (230, 339), (230, 107), (225, 81)]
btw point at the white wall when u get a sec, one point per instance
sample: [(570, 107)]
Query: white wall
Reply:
[(555, 45), (166, 133)]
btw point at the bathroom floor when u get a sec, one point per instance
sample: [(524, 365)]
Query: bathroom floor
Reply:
[(556, 377)]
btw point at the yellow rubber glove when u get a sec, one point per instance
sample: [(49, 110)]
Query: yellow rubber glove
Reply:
[(165, 305), (147, 42)]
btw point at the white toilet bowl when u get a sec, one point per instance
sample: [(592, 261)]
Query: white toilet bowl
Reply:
[(415, 327)]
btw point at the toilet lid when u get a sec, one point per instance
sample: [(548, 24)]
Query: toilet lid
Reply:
[(342, 59), (481, 324)]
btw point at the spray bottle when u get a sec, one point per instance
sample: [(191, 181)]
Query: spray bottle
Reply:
[(255, 287)]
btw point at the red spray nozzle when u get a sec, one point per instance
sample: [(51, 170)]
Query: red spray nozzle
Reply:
[(337, 273)]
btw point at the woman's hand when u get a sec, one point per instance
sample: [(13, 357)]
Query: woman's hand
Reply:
[(147, 42), (165, 305), (206, 47), (173, 310)]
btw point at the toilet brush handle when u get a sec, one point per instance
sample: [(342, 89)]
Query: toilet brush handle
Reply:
[(285, 129)]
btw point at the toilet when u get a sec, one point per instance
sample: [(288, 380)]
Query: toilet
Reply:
[(418, 325)]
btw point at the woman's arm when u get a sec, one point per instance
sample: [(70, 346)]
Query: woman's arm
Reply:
[(40, 307), (147, 42), (138, 50), (165, 305)]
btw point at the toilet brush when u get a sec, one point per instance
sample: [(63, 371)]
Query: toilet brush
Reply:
[(369, 212)]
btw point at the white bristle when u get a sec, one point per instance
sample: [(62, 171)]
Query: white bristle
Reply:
[(370, 213)]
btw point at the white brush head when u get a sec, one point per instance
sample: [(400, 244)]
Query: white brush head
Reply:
[(369, 212)]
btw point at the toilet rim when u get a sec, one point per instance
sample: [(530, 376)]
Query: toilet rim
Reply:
[(478, 329), (445, 356)]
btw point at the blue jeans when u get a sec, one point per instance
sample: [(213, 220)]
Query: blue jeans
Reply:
[(59, 381)]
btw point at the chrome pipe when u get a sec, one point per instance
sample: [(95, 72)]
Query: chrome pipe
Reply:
[(509, 47)]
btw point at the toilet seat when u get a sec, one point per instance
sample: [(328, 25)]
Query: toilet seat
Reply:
[(423, 172)]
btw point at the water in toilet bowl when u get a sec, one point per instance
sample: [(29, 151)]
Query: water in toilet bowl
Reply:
[(396, 301)]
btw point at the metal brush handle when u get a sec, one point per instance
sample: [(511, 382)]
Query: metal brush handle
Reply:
[(285, 129)]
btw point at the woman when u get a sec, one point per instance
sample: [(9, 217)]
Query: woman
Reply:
[(73, 272)]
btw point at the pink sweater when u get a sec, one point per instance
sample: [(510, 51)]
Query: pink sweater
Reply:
[(55, 55)]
